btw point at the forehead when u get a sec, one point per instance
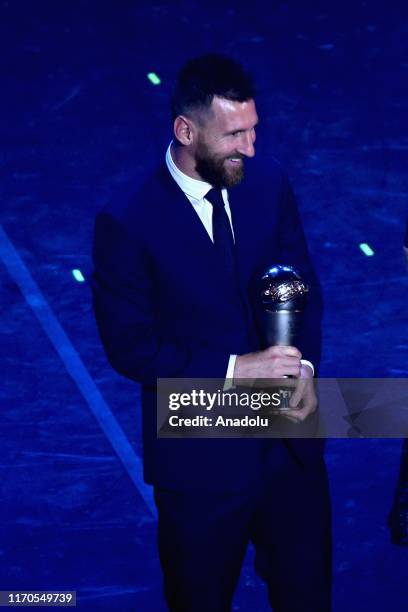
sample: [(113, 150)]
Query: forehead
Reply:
[(230, 115)]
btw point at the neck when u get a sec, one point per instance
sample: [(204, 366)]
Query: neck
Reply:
[(184, 161)]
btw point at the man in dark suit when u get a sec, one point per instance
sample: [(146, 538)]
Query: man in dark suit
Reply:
[(174, 296)]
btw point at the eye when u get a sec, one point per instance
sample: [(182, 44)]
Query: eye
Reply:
[(237, 133)]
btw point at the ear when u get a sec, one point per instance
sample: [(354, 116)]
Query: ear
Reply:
[(184, 130)]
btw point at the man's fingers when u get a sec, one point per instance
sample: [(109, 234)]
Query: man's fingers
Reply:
[(297, 415), (290, 418), (288, 366), (302, 413), (295, 399), (290, 351), (298, 394)]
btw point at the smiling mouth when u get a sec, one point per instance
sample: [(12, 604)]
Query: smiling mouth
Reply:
[(234, 160)]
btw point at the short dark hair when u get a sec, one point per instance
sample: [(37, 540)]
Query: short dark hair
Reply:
[(204, 77)]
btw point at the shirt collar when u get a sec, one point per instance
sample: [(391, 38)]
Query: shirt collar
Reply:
[(190, 186)]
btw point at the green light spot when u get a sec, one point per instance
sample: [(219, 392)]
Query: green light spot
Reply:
[(153, 78), (367, 250), (77, 274)]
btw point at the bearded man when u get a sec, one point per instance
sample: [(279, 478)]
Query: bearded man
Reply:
[(176, 264)]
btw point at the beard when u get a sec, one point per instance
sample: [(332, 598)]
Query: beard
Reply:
[(213, 168)]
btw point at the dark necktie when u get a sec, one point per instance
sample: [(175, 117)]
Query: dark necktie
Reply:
[(222, 232)]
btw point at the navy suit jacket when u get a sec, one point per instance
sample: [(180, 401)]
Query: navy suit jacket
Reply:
[(165, 308)]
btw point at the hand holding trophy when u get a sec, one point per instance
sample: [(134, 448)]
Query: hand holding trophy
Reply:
[(283, 295)]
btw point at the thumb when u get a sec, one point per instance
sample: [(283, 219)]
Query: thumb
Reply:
[(297, 395)]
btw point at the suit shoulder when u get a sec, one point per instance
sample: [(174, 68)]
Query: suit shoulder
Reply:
[(134, 200)]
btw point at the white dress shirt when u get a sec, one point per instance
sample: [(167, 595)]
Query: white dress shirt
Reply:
[(195, 190)]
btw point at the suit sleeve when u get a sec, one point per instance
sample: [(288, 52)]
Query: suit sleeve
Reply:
[(124, 304), (294, 251)]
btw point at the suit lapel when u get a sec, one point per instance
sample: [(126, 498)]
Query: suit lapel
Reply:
[(186, 222), (191, 232), (242, 213)]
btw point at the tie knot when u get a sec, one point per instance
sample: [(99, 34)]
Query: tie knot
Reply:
[(215, 197)]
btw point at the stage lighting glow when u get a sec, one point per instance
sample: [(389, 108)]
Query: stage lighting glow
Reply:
[(367, 250), (153, 78), (77, 274)]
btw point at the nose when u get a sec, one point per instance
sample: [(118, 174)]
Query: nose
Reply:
[(247, 144)]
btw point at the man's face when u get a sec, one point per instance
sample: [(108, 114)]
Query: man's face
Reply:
[(224, 140)]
